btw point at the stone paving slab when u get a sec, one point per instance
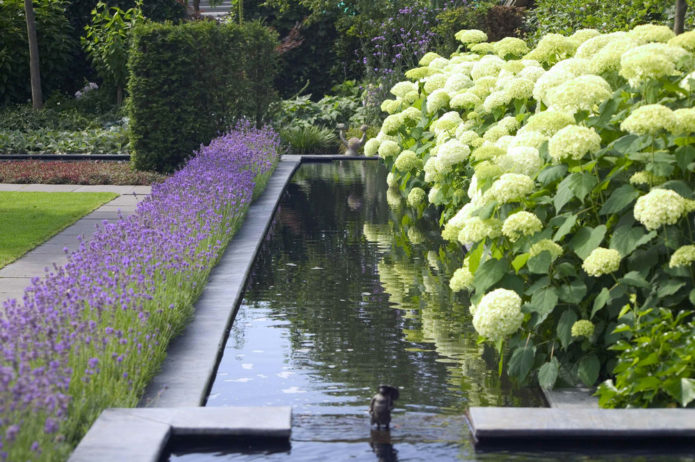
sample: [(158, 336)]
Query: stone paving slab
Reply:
[(191, 360), (571, 398), (498, 424), (140, 435)]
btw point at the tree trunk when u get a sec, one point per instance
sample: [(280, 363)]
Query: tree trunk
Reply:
[(679, 20), (34, 70), (119, 95)]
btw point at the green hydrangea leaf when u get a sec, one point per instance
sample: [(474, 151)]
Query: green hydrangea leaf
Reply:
[(587, 239), (572, 292), (542, 303), (600, 301), (521, 362), (588, 369), (621, 198), (489, 273), (564, 327), (547, 374)]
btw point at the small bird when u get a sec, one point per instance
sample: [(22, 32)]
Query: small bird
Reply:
[(381, 406)]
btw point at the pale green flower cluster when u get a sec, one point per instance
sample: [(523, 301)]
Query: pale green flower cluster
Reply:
[(602, 261), (498, 315), (683, 256), (510, 187), (546, 245), (685, 121), (407, 161), (582, 328), (416, 196), (650, 120), (449, 154), (462, 279), (583, 93), (573, 142), (520, 159), (646, 178), (643, 63), (439, 99), (651, 33), (510, 47), (470, 36), (388, 148), (521, 224), (475, 229), (659, 207)]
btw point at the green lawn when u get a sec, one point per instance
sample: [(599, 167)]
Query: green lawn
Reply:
[(28, 219)]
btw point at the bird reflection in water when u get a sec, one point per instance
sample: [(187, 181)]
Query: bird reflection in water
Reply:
[(380, 441)]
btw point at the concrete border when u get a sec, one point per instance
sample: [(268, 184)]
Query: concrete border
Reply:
[(141, 435)]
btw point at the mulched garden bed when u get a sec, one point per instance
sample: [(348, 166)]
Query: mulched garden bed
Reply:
[(75, 172)]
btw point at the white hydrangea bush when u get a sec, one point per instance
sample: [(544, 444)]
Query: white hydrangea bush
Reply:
[(561, 173)]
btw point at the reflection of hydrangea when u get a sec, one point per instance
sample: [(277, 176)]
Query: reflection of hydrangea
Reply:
[(392, 124), (476, 229), (451, 153), (407, 161), (553, 48), (462, 279), (371, 147), (546, 245), (403, 88), (582, 328), (391, 180), (415, 236), (684, 256), (646, 178), (602, 261), (510, 187), (469, 36), (510, 46), (464, 100), (439, 99), (573, 142), (521, 224), (649, 120), (646, 33), (498, 314), (685, 121), (659, 207), (388, 148), (393, 198), (525, 160), (644, 63), (585, 92), (548, 122), (416, 196)]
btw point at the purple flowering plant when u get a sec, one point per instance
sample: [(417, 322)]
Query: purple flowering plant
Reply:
[(92, 333)]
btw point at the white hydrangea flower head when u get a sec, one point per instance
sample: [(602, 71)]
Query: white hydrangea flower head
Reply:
[(488, 66), (393, 198), (582, 35), (514, 66), (583, 93), (388, 149), (462, 68), (392, 124), (685, 121), (602, 261), (415, 236), (646, 178), (390, 106), (553, 48), (521, 224), (487, 151), (391, 180), (647, 62), (573, 142), (448, 122), (510, 187), (685, 40), (457, 82), (403, 88), (371, 147), (430, 169), (683, 256), (418, 73), (659, 207), (381, 136), (466, 136), (650, 120), (510, 123), (470, 36), (442, 137), (482, 48), (532, 73), (528, 138), (522, 159), (451, 153), (560, 73), (453, 227), (411, 115), (496, 99), (547, 123), (498, 315), (435, 196), (407, 161), (434, 82), (474, 194), (519, 88), (646, 33), (510, 47), (494, 133), (427, 58), (462, 279), (438, 63), (439, 99), (593, 45), (475, 229), (487, 170), (410, 97), (688, 82), (546, 245), (582, 328), (607, 60), (416, 196), (504, 141)]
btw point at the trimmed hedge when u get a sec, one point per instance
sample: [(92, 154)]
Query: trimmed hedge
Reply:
[(190, 82)]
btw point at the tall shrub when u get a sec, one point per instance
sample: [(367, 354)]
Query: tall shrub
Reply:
[(189, 82)]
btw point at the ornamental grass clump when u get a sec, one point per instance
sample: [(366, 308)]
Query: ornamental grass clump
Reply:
[(92, 333), (563, 175)]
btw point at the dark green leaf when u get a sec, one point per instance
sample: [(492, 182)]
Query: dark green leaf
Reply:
[(540, 263), (684, 157), (573, 292), (626, 239), (485, 212), (588, 369), (600, 301), (551, 174), (563, 195), (547, 374), (489, 273), (521, 362), (565, 228), (581, 184), (542, 303), (564, 327), (619, 199), (634, 278), (669, 287), (587, 239), (678, 186)]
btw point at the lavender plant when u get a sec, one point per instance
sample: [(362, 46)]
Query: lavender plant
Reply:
[(91, 334)]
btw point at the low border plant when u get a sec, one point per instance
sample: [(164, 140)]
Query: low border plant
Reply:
[(92, 333)]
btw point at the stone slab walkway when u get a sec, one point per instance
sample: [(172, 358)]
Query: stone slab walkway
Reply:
[(16, 276)]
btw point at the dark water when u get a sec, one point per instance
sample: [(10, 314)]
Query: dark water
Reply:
[(341, 300)]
